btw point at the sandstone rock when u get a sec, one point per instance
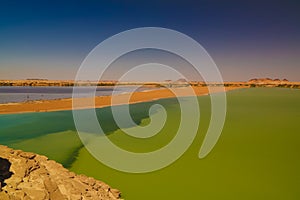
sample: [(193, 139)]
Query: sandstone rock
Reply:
[(27, 155), (116, 193), (27, 176)]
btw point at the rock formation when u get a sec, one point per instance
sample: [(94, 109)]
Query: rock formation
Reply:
[(26, 176), (266, 81)]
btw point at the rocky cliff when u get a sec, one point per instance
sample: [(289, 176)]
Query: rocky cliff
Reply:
[(26, 176)]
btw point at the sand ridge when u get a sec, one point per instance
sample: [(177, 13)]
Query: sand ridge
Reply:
[(104, 101)]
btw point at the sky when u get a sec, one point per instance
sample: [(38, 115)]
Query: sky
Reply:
[(50, 39)]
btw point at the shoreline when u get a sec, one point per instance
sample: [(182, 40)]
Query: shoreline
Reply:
[(65, 104)]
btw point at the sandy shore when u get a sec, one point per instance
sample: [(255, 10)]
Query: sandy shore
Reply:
[(103, 101)]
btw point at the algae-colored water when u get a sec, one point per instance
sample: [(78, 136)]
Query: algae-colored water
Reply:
[(257, 156)]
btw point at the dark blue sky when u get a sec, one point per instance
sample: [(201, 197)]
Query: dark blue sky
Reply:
[(49, 39)]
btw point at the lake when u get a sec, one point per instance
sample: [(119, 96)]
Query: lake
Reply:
[(13, 94), (256, 157)]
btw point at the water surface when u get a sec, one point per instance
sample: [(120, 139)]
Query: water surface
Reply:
[(13, 94), (257, 156)]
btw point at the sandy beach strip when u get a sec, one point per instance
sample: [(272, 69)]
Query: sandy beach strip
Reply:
[(104, 101)]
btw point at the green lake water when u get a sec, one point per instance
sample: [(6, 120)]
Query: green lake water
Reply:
[(256, 157)]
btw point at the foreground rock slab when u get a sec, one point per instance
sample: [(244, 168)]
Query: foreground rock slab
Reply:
[(28, 176)]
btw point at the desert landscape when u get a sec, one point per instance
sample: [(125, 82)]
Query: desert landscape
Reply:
[(149, 100)]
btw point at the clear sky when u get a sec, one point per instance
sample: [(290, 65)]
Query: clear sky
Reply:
[(50, 39)]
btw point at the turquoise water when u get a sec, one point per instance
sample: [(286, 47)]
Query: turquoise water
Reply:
[(257, 156)]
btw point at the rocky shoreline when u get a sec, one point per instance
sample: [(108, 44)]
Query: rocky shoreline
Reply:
[(26, 176)]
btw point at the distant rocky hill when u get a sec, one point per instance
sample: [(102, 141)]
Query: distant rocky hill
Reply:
[(267, 81), (28, 176)]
